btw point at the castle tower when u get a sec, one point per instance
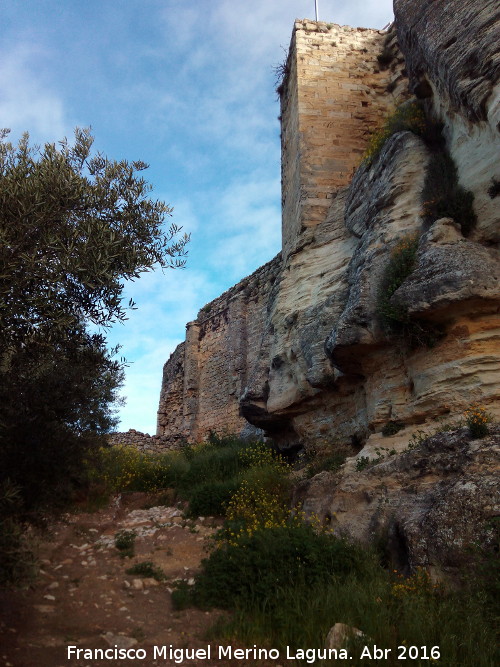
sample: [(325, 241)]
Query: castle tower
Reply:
[(334, 94)]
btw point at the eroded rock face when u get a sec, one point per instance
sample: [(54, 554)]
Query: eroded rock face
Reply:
[(452, 53), (327, 370), (383, 206), (451, 271), (455, 45), (431, 506)]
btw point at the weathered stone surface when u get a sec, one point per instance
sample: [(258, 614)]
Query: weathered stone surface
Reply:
[(142, 441), (335, 94), (451, 271), (455, 44), (431, 505), (205, 377), (339, 634), (383, 206), (454, 48)]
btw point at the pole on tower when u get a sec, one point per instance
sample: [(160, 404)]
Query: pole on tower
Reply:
[(316, 7)]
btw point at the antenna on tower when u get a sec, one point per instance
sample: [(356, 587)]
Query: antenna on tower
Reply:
[(316, 7)]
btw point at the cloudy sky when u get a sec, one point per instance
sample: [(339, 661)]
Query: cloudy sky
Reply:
[(188, 87)]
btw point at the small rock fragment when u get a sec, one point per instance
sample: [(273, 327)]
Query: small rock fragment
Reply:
[(339, 633), (120, 641)]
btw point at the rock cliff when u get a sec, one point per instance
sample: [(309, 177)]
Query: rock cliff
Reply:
[(300, 349)]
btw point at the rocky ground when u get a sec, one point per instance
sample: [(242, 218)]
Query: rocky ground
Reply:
[(83, 596)]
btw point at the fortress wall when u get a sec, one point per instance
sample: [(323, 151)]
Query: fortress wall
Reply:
[(205, 376)]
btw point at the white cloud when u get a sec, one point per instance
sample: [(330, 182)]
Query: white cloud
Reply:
[(26, 103)]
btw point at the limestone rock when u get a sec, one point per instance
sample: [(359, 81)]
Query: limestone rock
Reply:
[(455, 44), (339, 634), (450, 270), (297, 349), (382, 206), (453, 48), (432, 505)]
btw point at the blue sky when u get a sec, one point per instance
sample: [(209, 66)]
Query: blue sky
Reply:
[(188, 87)]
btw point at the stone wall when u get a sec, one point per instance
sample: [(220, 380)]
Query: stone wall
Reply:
[(205, 376), (141, 441)]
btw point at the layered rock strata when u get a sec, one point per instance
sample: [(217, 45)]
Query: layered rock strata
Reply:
[(452, 54)]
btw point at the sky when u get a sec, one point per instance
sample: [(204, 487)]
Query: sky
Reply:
[(188, 87)]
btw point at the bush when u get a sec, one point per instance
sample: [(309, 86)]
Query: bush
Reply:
[(477, 421), (17, 560), (147, 569), (401, 264), (211, 498), (394, 319), (442, 195), (407, 117), (124, 468), (260, 567), (391, 610), (207, 475), (391, 428), (125, 543)]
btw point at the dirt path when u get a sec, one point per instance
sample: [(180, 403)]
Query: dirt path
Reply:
[(84, 598)]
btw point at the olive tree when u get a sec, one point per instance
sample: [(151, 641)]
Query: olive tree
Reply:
[(74, 226)]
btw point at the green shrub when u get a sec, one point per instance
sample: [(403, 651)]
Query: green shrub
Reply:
[(182, 596), (210, 464), (442, 195), (211, 498), (124, 468), (391, 428), (407, 117), (17, 559), (390, 610), (394, 318), (332, 463), (125, 543), (477, 420), (363, 462), (147, 569), (400, 266), (206, 475), (260, 567), (217, 469)]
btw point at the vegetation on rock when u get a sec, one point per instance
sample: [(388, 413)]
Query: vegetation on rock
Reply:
[(407, 117), (286, 581), (477, 420), (401, 264), (443, 196)]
